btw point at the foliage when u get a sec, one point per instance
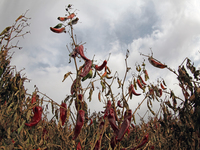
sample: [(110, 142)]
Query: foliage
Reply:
[(174, 126)]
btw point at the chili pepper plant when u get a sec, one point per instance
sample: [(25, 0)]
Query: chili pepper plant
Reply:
[(24, 123)]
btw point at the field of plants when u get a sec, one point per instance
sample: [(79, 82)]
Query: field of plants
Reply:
[(24, 123)]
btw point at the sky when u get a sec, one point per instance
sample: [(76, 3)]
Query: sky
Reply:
[(170, 28)]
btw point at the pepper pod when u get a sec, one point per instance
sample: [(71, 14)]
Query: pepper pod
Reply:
[(79, 123), (36, 118), (63, 113)]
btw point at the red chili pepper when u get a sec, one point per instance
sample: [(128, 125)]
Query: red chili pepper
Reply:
[(71, 16), (132, 125), (78, 147), (79, 123), (33, 100), (60, 30), (132, 91), (139, 84), (36, 118), (62, 18), (91, 121), (162, 86), (63, 113), (156, 63), (79, 49), (142, 80), (86, 69), (124, 127), (112, 121), (160, 92), (99, 68), (119, 104)]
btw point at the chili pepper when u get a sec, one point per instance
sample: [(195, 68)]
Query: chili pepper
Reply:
[(36, 118), (160, 92), (73, 21), (162, 86), (156, 63), (60, 30), (79, 49), (99, 68), (119, 104), (33, 100), (63, 113), (58, 26), (71, 16), (142, 80), (89, 75), (86, 69), (79, 123), (99, 96), (78, 147), (62, 18), (112, 121), (91, 121), (146, 76), (132, 91), (104, 74), (132, 125), (139, 84), (124, 127)]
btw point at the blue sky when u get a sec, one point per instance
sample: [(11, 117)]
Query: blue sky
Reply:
[(171, 28)]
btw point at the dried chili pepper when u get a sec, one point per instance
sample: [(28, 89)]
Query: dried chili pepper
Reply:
[(162, 86), (62, 18), (119, 104), (60, 30), (160, 92), (146, 76), (33, 100), (112, 121), (142, 80), (71, 16), (99, 68), (78, 147), (79, 123), (86, 69), (80, 97), (91, 121), (124, 127), (63, 113), (139, 84), (36, 118), (156, 63), (79, 49), (132, 91)]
